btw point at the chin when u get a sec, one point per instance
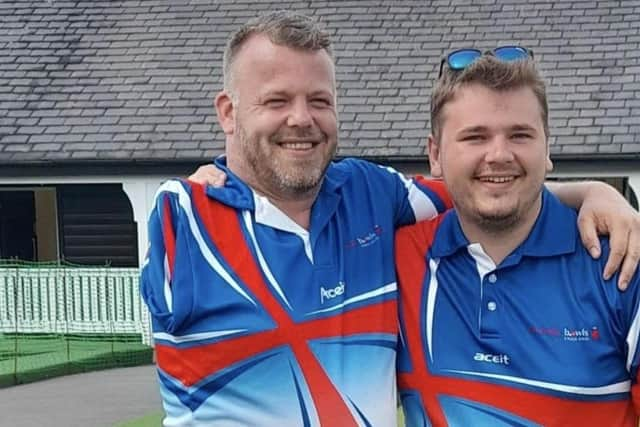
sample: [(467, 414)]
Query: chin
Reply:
[(498, 220), (298, 184)]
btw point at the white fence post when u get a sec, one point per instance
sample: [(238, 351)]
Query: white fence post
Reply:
[(72, 300)]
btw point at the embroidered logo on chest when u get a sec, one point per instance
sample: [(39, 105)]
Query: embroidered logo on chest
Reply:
[(330, 293), (568, 334), (582, 334), (366, 239), (500, 359)]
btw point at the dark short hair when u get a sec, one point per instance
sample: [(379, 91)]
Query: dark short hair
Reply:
[(494, 74)]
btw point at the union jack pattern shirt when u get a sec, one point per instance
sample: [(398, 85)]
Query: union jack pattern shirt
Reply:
[(259, 322), (538, 340)]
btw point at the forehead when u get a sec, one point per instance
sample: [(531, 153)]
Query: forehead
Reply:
[(478, 105), (262, 63)]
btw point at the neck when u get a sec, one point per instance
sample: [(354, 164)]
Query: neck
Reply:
[(296, 204), (297, 207), (499, 238)]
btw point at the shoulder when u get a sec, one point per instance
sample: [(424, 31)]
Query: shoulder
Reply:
[(364, 176), (175, 187), (418, 236), (178, 195), (601, 262), (358, 166), (585, 275)]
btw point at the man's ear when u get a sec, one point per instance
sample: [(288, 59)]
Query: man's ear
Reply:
[(226, 112), (548, 161), (434, 157)]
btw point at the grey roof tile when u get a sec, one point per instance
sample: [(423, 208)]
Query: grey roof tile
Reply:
[(11, 147), (609, 148), (144, 72), (631, 148), (46, 147)]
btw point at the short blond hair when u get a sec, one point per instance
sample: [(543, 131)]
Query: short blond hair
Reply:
[(283, 28)]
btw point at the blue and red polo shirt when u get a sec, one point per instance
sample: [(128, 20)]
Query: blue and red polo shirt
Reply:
[(540, 339), (259, 322)]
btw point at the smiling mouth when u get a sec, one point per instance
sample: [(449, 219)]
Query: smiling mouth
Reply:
[(298, 145), (497, 179)]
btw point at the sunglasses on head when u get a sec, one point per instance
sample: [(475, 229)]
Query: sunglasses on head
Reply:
[(462, 58)]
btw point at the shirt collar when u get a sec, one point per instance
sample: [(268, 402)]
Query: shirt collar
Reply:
[(237, 194), (553, 233)]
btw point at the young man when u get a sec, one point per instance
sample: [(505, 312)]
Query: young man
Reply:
[(274, 298), (505, 318)]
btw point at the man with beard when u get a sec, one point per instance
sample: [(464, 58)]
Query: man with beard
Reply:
[(274, 298), (505, 317)]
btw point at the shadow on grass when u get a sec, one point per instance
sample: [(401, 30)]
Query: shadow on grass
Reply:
[(26, 358)]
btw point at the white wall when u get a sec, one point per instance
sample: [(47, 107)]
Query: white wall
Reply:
[(141, 192), (141, 189)]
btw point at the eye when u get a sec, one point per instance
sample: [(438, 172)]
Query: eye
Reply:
[(476, 137), (521, 136), (320, 102), (275, 102)]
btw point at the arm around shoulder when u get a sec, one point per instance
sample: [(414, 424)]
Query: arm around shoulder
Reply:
[(604, 211)]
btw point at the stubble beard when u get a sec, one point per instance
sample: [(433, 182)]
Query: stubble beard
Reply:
[(499, 223), (271, 172), (503, 223)]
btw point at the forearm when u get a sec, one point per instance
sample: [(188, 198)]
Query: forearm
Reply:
[(574, 193), (603, 210)]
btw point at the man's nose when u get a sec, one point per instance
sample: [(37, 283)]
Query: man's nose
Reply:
[(499, 150), (300, 115)]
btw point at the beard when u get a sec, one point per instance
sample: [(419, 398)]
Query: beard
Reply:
[(503, 222), (498, 223), (282, 175)]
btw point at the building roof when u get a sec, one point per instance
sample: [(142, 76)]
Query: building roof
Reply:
[(135, 79)]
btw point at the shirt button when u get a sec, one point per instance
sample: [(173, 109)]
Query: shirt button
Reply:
[(493, 278), (491, 305)]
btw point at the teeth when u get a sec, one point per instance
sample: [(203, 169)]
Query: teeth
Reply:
[(297, 145), (497, 179)]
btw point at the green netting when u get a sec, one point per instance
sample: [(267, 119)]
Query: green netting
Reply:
[(32, 357), (18, 263), (57, 320)]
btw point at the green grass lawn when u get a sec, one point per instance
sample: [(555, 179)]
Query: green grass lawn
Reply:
[(155, 420), (150, 420), (32, 357)]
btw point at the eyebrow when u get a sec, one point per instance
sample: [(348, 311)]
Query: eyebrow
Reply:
[(321, 93), (286, 94), (473, 129), (269, 93), (480, 128), (523, 127)]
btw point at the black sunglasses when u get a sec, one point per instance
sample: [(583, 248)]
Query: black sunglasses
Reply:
[(462, 58)]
